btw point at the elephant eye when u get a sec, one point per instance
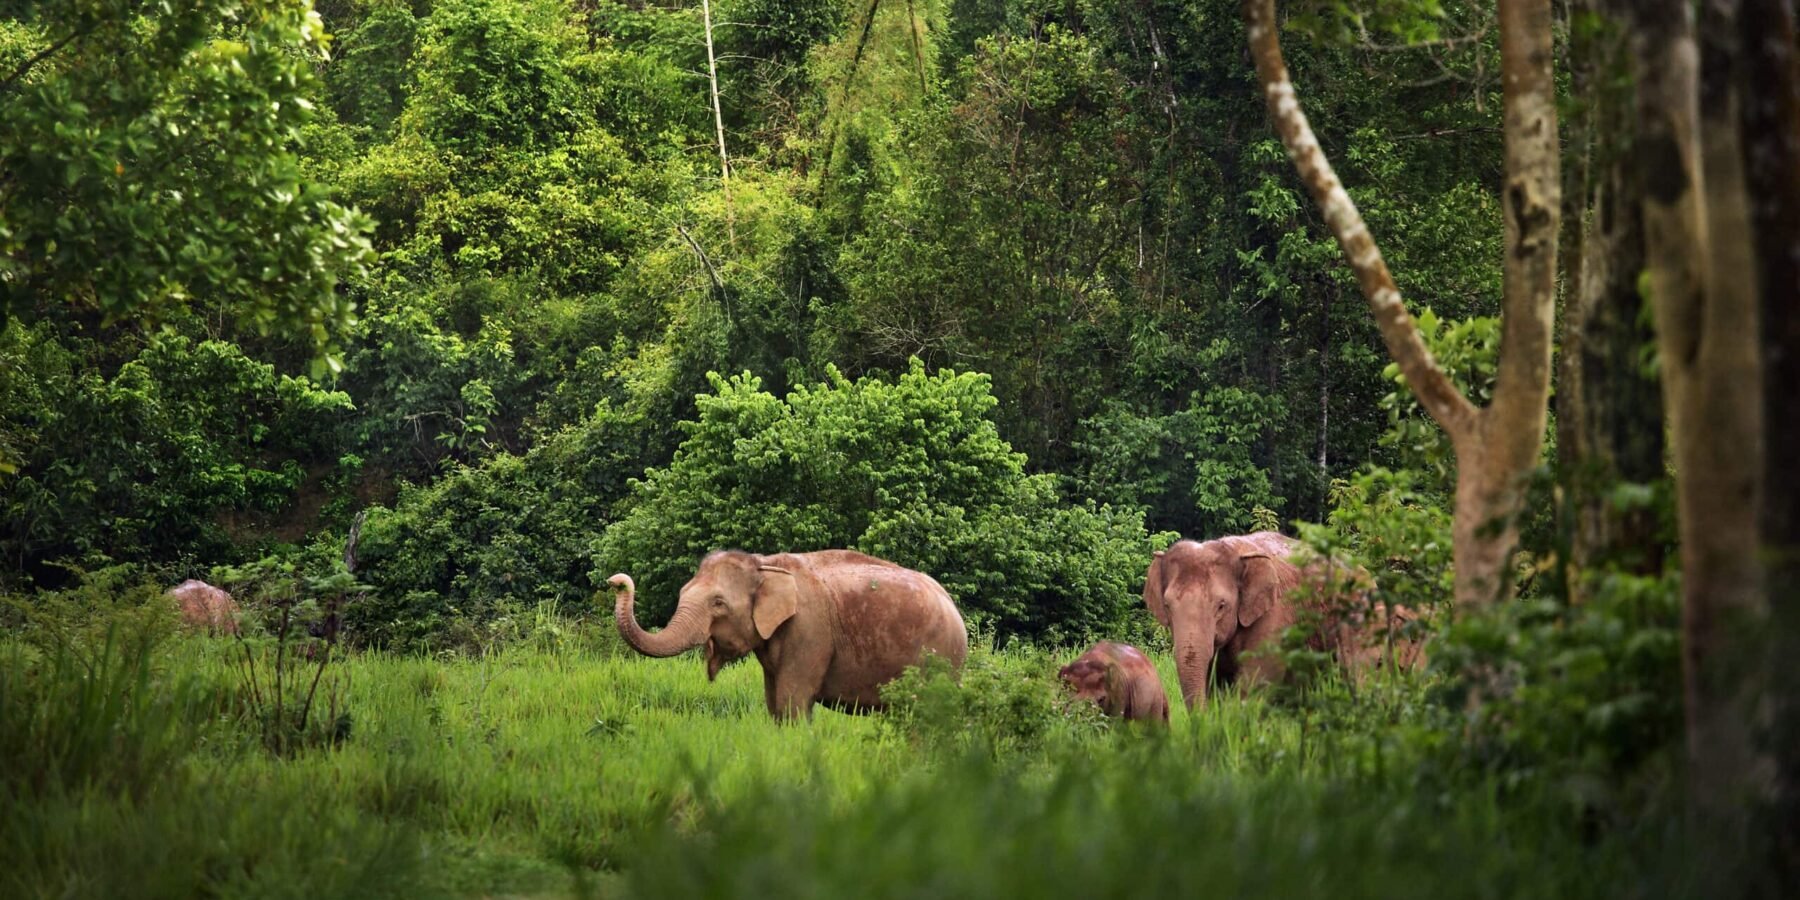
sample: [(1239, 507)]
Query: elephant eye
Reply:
[(718, 602)]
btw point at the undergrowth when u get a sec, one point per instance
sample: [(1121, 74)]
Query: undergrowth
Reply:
[(566, 767)]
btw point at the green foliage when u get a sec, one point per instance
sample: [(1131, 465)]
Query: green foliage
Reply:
[(369, 81), (494, 74), (453, 563), (1467, 351), (102, 788), (77, 697), (288, 646), (1381, 522), (1194, 469), (183, 448), (150, 162), (912, 471), (1003, 705), (1139, 819), (1585, 698)]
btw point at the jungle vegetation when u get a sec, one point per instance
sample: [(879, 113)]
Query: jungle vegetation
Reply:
[(410, 321)]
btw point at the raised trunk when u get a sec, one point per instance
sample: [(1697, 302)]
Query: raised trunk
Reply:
[(684, 631), (1193, 653)]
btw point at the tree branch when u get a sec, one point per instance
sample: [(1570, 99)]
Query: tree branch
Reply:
[(1435, 391), (38, 57)]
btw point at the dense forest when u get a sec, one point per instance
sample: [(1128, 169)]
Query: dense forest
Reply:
[(411, 321), (517, 246)]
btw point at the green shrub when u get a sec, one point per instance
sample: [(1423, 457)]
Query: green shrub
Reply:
[(913, 471), (464, 559), (1585, 697), (1381, 520), (1002, 705), (1193, 470), (185, 448)]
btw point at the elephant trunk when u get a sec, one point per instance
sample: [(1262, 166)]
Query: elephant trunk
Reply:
[(1193, 656), (684, 631)]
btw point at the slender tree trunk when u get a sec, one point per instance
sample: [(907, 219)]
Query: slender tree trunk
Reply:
[(1497, 447), (1609, 406), (1706, 330), (1322, 450), (1770, 123), (712, 78)]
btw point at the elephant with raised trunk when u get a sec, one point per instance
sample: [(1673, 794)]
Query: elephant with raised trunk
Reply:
[(1228, 596), (829, 627)]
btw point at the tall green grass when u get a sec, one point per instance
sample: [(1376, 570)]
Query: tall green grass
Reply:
[(573, 767)]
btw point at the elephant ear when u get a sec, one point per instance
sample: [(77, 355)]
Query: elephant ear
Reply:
[(777, 598), (1257, 587), (1153, 590)]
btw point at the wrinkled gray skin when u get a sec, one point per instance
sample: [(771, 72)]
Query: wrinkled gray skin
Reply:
[(829, 627), (1221, 599)]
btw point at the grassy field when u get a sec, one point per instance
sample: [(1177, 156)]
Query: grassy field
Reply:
[(577, 770)]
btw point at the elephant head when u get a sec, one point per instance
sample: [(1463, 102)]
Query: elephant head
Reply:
[(733, 605), (1209, 594), (1094, 681)]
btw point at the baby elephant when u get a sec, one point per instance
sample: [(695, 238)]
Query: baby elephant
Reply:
[(1121, 679)]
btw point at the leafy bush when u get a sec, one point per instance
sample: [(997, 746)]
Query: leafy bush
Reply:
[(914, 472), (1586, 698), (1382, 522), (287, 650), (1000, 705), (495, 74), (186, 446), (1192, 470), (1469, 352), (493, 540)]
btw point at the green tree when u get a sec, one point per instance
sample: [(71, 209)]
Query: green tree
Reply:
[(912, 471), (148, 163)]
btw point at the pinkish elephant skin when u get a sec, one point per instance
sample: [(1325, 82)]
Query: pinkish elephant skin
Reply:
[(1229, 596), (205, 606), (829, 627), (1121, 679)]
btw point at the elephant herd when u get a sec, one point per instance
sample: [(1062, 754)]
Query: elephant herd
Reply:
[(833, 626)]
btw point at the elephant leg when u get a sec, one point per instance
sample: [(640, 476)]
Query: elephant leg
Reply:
[(790, 693), (1259, 668)]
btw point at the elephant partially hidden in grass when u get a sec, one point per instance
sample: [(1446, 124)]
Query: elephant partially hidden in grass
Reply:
[(1225, 597), (1121, 680), (829, 627)]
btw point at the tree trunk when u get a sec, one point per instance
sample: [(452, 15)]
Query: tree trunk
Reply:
[(712, 79), (1609, 406), (1496, 447), (1706, 330), (1770, 123)]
